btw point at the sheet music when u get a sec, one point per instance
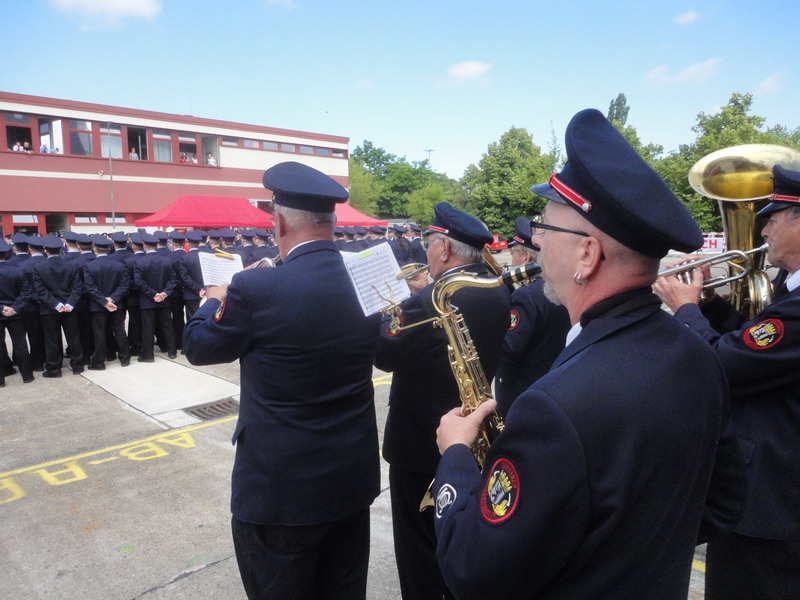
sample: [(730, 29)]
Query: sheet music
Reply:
[(217, 269), (373, 274)]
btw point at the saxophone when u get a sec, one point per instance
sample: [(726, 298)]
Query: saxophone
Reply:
[(473, 387)]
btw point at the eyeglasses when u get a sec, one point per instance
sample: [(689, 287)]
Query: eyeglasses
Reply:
[(427, 244), (538, 228)]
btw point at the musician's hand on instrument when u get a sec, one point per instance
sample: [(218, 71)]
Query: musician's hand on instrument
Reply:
[(674, 293), (218, 292), (457, 429), (419, 281)]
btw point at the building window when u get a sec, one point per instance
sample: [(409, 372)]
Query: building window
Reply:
[(287, 147), (340, 154), (110, 141), (17, 118), (80, 125), (270, 145), (323, 152), (80, 143), (163, 150), (24, 218), (162, 134), (85, 219), (306, 150), (250, 144), (118, 220), (230, 141)]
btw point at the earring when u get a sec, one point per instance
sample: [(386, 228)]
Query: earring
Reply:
[(578, 279)]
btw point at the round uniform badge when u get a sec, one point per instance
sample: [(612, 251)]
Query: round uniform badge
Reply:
[(763, 335), (501, 495), (514, 320), (446, 497), (395, 325), (219, 312)]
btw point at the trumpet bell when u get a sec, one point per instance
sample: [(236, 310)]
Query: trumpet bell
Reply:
[(741, 173)]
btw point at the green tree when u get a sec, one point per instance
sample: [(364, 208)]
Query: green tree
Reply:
[(421, 203), (499, 188), (732, 125), (364, 189), (618, 110), (374, 160), (401, 180)]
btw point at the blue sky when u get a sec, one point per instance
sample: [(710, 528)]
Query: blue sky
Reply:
[(450, 76)]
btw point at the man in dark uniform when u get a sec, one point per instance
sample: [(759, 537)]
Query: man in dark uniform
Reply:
[(761, 557), (338, 238), (191, 275), (609, 464), (163, 241), (264, 247), (306, 468), (176, 305), (121, 252), (423, 386), (417, 251), (155, 279), (21, 253), (377, 235), (31, 316), (133, 297), (400, 245), (57, 285), (82, 312), (106, 282), (538, 329), (14, 294)]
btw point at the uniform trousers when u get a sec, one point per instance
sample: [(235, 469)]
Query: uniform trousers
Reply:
[(33, 327), (135, 328), (176, 308), (191, 307), (52, 324), (739, 567), (328, 561), (149, 317), (19, 346), (414, 538), (104, 322)]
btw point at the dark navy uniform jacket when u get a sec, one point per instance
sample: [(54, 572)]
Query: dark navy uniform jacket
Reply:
[(597, 486), (762, 360), (191, 275), (423, 386), (418, 253), (403, 255), (56, 281), (105, 278), (132, 299), (306, 439), (259, 252), (535, 338), (15, 291), (32, 305), (153, 274)]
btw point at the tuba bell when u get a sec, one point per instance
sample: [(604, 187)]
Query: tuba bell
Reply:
[(740, 179)]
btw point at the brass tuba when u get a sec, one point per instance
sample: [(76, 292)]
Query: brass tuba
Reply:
[(740, 179)]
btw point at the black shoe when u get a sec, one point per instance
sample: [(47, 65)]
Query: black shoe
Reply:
[(28, 380), (38, 368), (77, 371), (53, 374), (96, 368), (172, 355), (9, 371), (143, 359), (125, 363)]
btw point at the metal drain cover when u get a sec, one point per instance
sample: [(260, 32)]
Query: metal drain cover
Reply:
[(214, 410)]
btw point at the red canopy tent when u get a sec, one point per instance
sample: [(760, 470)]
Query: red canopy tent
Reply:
[(208, 212), (347, 215)]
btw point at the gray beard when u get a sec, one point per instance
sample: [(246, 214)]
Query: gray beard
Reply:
[(550, 293)]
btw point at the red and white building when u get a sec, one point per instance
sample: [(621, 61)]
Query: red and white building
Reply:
[(86, 181)]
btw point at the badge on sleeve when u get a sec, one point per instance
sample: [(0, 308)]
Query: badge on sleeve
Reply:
[(446, 497), (501, 495), (514, 320), (218, 313), (763, 335), (395, 325)]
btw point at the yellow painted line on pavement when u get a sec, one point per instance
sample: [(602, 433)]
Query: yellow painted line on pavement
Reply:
[(152, 438), (699, 565)]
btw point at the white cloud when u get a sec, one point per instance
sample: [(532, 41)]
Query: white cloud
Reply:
[(109, 11), (686, 18), (696, 73), (470, 71), (770, 85)]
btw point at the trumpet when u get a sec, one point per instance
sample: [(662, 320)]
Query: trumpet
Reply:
[(411, 270), (736, 258), (222, 254)]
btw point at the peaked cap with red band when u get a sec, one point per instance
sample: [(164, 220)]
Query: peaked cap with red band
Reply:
[(459, 225), (613, 188), (522, 234), (785, 191)]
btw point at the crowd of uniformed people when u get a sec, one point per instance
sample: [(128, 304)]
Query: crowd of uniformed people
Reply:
[(631, 435)]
